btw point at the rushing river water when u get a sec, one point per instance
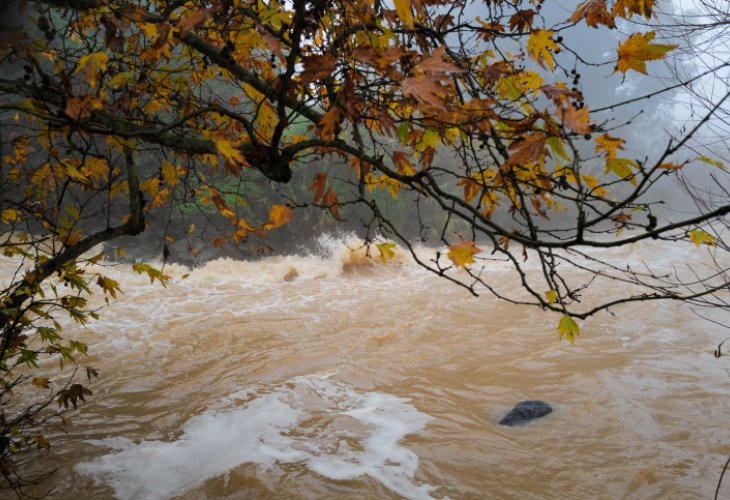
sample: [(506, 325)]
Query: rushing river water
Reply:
[(313, 377)]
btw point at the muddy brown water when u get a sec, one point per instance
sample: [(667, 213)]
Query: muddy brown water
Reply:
[(321, 377)]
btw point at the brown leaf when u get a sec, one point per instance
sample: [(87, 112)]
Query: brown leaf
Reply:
[(595, 13), (530, 148), (320, 182), (330, 201), (73, 394), (574, 118)]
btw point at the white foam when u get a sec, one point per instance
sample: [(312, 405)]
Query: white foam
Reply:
[(309, 419)]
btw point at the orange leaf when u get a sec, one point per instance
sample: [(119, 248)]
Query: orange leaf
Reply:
[(574, 118), (278, 216), (329, 123), (330, 201), (320, 182), (595, 13), (462, 253)]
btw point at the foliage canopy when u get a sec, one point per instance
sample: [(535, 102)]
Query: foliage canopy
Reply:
[(115, 111)]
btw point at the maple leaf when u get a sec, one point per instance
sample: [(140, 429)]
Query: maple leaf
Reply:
[(568, 328), (529, 149), (574, 118), (622, 168), (627, 8), (462, 253), (637, 50), (434, 65), (330, 201), (386, 251), (226, 148), (194, 19), (424, 89), (595, 13), (609, 144), (278, 216), (320, 182), (700, 237), (92, 65), (539, 46), (72, 395), (329, 123), (521, 20)]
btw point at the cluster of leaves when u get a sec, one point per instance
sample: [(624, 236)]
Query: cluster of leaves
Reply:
[(114, 111)]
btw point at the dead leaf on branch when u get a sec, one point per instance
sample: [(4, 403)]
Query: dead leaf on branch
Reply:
[(72, 395)]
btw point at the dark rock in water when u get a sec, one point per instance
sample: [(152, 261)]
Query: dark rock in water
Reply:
[(526, 411)]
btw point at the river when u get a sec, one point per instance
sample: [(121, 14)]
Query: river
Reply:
[(324, 376)]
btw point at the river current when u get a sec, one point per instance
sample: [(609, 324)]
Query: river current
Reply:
[(330, 375)]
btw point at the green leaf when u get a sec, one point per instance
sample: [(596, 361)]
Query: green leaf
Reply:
[(568, 328), (402, 132)]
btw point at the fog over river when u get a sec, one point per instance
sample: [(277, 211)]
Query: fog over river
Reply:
[(335, 376)]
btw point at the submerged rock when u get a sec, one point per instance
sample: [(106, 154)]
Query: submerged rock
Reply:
[(525, 411)]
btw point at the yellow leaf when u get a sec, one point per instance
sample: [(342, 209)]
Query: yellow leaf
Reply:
[(91, 65), (637, 50), (226, 148), (9, 215), (462, 253), (278, 216), (552, 296), (609, 144), (403, 7), (386, 251), (568, 328), (700, 237), (539, 46), (169, 173), (710, 161), (41, 382), (622, 168)]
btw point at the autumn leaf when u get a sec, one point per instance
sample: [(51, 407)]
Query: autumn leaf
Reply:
[(627, 8), (539, 47), (568, 328), (320, 182), (330, 201), (594, 12), (551, 296), (529, 149), (637, 50), (226, 148), (329, 123), (424, 89), (622, 168), (462, 253), (403, 8), (386, 251), (575, 118), (700, 237), (194, 19), (278, 216), (41, 382), (91, 65), (608, 144)]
